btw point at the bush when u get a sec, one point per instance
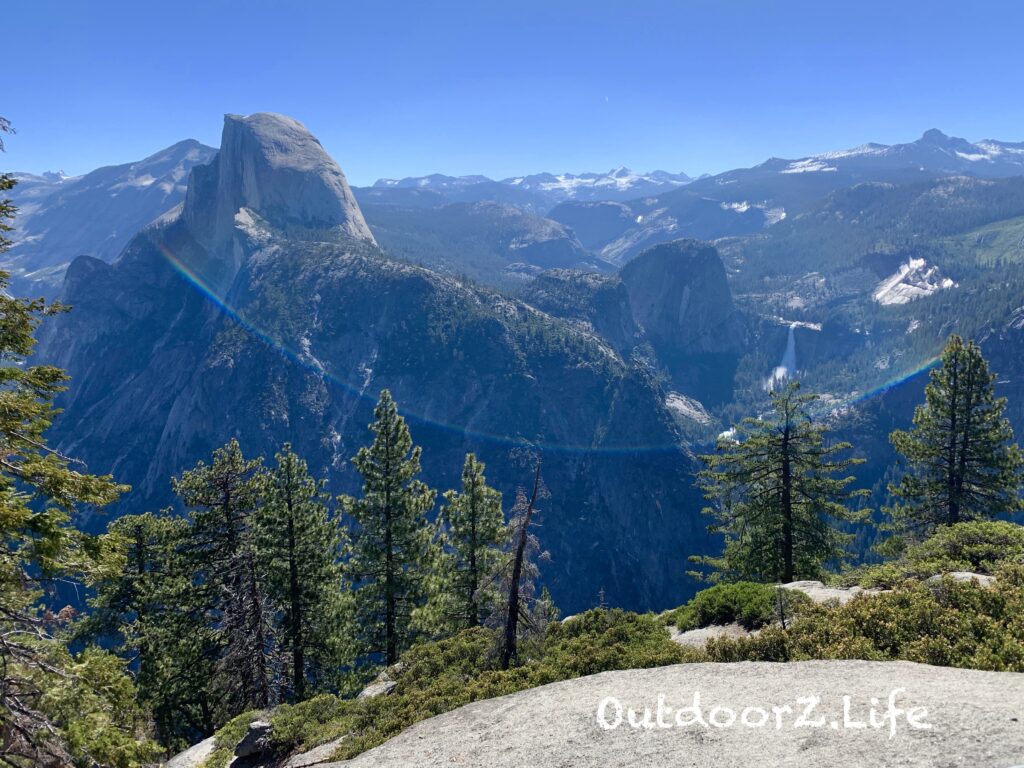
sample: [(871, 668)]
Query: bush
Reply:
[(981, 547), (746, 603), (955, 624)]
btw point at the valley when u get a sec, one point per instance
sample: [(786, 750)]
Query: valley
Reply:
[(267, 288)]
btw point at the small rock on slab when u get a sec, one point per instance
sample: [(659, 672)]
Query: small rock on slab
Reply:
[(316, 756), (377, 688)]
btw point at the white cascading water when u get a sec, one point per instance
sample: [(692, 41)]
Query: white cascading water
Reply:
[(787, 367)]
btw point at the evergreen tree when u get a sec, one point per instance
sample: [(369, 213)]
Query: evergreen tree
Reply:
[(223, 497), (391, 542), (473, 534), (963, 463), (299, 547), (146, 608), (56, 708), (775, 494)]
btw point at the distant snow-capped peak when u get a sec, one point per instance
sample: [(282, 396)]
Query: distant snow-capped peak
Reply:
[(934, 146), (621, 178), (620, 182)]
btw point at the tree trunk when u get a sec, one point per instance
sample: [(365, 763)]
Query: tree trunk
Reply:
[(295, 604), (961, 469), (390, 630), (259, 636), (952, 502), (787, 507), (514, 607), (473, 618)]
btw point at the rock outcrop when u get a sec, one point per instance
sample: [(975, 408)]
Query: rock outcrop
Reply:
[(270, 170), (974, 719), (681, 298), (819, 593), (981, 579), (194, 756), (698, 638)]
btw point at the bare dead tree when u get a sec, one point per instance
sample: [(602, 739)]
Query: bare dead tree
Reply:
[(515, 608)]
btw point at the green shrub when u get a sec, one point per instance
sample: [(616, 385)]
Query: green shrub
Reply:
[(981, 547), (314, 721), (956, 624), (598, 641), (746, 603)]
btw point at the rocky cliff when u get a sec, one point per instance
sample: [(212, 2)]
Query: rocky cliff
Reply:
[(681, 299), (600, 302)]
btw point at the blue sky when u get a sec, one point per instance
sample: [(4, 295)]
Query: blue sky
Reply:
[(503, 88)]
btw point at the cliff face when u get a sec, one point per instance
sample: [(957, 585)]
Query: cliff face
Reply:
[(269, 169), (680, 298), (281, 320)]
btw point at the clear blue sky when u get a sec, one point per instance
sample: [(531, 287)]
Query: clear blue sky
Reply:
[(502, 88)]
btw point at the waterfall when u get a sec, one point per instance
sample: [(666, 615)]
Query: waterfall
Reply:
[(787, 367)]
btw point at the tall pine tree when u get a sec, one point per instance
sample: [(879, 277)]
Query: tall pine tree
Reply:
[(391, 541), (299, 546), (473, 534), (223, 497), (963, 463), (775, 494)]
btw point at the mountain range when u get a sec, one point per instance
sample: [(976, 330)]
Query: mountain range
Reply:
[(262, 308), (545, 188), (613, 216), (61, 217), (259, 296)]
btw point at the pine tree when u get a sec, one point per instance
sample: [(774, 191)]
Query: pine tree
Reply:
[(146, 608), (473, 534), (56, 708), (963, 463), (223, 497), (299, 545), (391, 542), (775, 495)]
